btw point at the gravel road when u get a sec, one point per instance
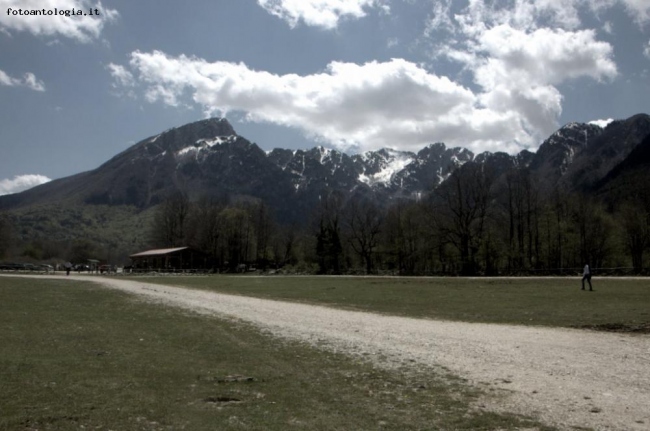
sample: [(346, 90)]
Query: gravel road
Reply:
[(563, 377)]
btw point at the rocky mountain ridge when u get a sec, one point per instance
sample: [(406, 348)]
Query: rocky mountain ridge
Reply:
[(208, 158)]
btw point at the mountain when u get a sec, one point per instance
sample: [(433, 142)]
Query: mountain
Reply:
[(143, 173), (558, 153), (629, 178), (605, 150), (578, 156), (208, 158)]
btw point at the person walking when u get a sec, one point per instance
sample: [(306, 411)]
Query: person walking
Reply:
[(586, 275), (68, 267)]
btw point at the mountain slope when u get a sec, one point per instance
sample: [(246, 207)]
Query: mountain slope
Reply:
[(208, 158), (605, 150), (630, 178)]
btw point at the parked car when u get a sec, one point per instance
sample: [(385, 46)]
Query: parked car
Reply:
[(46, 267), (105, 268)]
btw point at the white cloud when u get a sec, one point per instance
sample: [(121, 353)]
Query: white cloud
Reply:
[(29, 80), (320, 13), (639, 10), (566, 14), (121, 75), (519, 53), (350, 106), (124, 82), (646, 50), (81, 28), (7, 80), (543, 56), (21, 183), (608, 27), (33, 83), (440, 17)]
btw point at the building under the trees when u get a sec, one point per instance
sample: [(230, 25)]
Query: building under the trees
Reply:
[(171, 260)]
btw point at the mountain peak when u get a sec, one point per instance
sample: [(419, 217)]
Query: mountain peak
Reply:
[(179, 138), (574, 130), (209, 127)]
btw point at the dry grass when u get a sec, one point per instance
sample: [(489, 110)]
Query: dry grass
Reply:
[(76, 356)]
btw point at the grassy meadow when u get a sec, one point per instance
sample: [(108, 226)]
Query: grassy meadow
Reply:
[(76, 356), (522, 301)]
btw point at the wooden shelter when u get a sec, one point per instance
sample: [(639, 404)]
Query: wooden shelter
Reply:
[(170, 260)]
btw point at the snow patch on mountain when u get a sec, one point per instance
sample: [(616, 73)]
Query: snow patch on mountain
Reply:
[(456, 161), (571, 126), (187, 150), (394, 163), (205, 144), (217, 140), (325, 153)]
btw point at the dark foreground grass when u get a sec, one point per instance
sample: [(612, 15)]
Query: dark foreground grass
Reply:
[(75, 356), (522, 301)]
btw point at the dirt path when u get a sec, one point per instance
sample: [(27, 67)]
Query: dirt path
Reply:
[(564, 377)]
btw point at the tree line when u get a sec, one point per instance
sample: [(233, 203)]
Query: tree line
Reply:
[(475, 223)]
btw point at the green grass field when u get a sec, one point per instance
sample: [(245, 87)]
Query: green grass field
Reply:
[(76, 356), (523, 301)]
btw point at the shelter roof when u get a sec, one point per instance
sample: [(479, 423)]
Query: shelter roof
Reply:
[(158, 252)]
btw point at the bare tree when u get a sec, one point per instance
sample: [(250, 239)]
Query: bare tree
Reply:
[(206, 228), (363, 221), (5, 235), (169, 224), (593, 228), (404, 236), (555, 224), (460, 210), (523, 211), (264, 228), (284, 245), (238, 236), (635, 221), (328, 234)]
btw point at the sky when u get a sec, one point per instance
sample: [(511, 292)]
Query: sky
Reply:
[(84, 80)]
